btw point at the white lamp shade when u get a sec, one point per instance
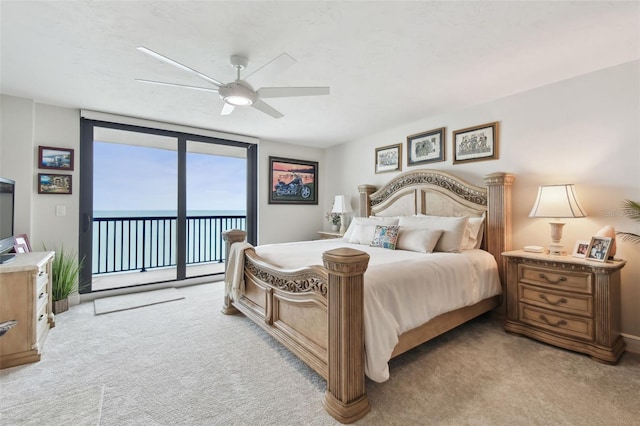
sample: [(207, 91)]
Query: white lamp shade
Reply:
[(557, 201), (340, 205)]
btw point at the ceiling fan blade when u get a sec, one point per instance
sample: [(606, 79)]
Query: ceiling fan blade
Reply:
[(267, 109), (283, 92), (227, 109), (179, 65), (276, 65), (184, 86)]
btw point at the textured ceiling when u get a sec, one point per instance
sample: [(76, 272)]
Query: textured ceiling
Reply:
[(387, 63)]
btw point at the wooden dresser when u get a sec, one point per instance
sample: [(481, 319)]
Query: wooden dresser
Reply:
[(25, 296), (566, 301)]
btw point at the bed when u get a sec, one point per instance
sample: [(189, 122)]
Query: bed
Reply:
[(323, 312)]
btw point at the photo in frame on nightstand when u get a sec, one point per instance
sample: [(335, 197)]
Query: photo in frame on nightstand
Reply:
[(580, 249)]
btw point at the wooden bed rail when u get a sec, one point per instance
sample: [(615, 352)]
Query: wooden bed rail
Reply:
[(345, 398)]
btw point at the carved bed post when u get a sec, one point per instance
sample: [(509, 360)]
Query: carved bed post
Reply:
[(346, 399), (365, 206), (499, 222), (231, 236)]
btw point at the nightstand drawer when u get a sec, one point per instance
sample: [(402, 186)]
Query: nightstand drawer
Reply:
[(572, 303), (555, 278), (557, 323)]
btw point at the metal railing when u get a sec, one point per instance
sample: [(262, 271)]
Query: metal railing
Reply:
[(123, 244)]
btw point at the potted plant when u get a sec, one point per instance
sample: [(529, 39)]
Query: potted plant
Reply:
[(630, 209), (334, 220), (64, 280)]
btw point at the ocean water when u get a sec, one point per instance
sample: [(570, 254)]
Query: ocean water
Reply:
[(137, 244)]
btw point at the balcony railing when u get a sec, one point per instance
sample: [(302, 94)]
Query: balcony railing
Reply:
[(123, 244)]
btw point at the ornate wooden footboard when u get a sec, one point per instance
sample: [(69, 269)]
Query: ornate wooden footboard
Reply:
[(317, 312)]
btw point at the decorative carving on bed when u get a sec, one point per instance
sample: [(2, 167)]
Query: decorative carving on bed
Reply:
[(472, 193), (295, 282)]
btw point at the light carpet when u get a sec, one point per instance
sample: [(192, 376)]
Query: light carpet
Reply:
[(185, 363), (135, 300)]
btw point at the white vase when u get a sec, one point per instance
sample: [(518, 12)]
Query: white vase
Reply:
[(334, 227)]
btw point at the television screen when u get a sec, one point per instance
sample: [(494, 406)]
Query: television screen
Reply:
[(7, 189)]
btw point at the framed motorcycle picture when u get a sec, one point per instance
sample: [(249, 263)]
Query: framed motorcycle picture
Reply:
[(293, 181)]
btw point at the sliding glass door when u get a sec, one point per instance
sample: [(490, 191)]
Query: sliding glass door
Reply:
[(154, 203)]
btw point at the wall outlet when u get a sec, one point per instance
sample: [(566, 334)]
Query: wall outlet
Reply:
[(61, 210)]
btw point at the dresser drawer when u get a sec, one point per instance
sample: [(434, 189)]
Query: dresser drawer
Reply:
[(560, 301), (42, 323), (556, 279), (557, 323)]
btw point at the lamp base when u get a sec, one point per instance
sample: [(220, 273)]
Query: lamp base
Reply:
[(556, 249)]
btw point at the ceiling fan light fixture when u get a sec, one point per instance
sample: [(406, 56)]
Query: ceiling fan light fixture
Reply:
[(236, 100), (238, 94)]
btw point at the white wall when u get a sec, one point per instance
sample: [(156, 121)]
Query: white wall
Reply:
[(583, 131), (286, 222), (26, 125)]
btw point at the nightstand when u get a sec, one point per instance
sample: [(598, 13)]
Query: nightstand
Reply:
[(565, 301), (327, 235)]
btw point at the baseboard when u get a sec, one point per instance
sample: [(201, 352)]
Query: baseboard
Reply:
[(633, 343)]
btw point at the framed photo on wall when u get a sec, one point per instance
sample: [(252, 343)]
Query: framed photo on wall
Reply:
[(293, 181), (389, 158), (54, 184), (476, 143), (55, 158), (426, 147)]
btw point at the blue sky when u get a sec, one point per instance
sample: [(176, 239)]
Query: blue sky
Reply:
[(128, 177)]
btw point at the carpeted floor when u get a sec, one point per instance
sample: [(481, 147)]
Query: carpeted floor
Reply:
[(184, 363)]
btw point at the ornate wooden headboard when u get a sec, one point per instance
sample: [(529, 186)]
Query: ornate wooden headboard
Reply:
[(438, 193)]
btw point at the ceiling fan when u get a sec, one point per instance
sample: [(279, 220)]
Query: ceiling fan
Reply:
[(239, 92)]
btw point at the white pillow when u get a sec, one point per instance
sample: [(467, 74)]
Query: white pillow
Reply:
[(473, 233), (422, 240), (373, 220), (453, 227), (362, 234)]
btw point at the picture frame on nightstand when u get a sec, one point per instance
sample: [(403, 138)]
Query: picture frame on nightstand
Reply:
[(580, 249), (599, 248)]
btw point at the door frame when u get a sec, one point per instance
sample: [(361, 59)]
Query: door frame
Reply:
[(85, 226)]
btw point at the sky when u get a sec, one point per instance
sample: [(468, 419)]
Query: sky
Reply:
[(128, 177)]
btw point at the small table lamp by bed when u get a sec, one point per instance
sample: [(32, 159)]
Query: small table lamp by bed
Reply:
[(341, 207), (557, 201)]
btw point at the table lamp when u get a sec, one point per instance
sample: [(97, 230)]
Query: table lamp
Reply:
[(557, 201), (341, 207)]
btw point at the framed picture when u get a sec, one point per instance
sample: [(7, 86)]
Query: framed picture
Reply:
[(55, 158), (426, 147), (389, 158), (20, 248), (599, 249), (580, 249), (476, 143), (22, 240), (54, 184), (293, 181)]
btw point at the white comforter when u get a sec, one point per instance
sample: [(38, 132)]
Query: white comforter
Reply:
[(402, 289)]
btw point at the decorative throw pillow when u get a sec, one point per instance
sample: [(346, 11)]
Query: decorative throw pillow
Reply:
[(374, 220), (417, 239), (473, 233), (385, 236), (453, 229)]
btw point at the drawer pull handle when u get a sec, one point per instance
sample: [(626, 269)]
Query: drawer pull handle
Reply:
[(557, 302), (41, 295), (559, 280), (557, 324), (41, 317)]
